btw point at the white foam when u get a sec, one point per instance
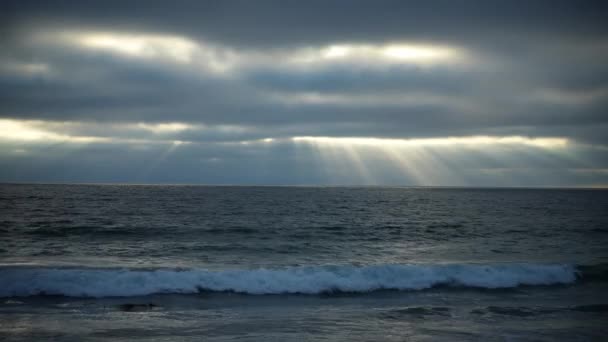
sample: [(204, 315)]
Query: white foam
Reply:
[(87, 282)]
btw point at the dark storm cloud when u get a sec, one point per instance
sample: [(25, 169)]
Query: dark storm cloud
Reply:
[(258, 23), (533, 44), (99, 87), (528, 68)]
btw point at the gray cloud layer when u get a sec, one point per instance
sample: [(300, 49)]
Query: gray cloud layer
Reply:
[(525, 68)]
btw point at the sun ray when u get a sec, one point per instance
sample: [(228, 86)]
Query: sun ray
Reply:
[(148, 169), (427, 161)]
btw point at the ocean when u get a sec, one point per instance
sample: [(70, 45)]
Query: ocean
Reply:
[(229, 263)]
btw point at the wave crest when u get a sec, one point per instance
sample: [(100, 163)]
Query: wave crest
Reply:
[(91, 282)]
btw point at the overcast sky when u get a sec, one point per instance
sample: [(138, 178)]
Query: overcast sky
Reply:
[(455, 93)]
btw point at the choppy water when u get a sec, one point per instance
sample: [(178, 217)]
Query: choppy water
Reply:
[(91, 262)]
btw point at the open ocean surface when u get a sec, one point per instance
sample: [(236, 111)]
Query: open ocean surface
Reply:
[(203, 263)]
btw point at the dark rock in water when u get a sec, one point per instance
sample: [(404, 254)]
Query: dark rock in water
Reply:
[(136, 307)]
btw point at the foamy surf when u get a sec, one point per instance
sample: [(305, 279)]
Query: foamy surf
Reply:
[(90, 282)]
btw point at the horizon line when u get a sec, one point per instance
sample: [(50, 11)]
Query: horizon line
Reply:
[(523, 187)]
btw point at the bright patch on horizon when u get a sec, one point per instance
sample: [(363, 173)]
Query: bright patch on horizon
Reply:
[(363, 160), (420, 161), (449, 141)]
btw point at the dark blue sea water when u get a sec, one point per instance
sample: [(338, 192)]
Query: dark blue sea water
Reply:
[(135, 262)]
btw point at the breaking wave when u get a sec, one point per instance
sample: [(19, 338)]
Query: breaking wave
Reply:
[(121, 282)]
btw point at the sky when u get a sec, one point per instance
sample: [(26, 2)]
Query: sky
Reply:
[(411, 93)]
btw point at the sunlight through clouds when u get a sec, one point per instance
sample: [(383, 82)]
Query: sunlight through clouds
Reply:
[(28, 131), (78, 132), (161, 128), (338, 160), (224, 59), (378, 102), (429, 161), (450, 141), (172, 49), (145, 46), (420, 54)]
